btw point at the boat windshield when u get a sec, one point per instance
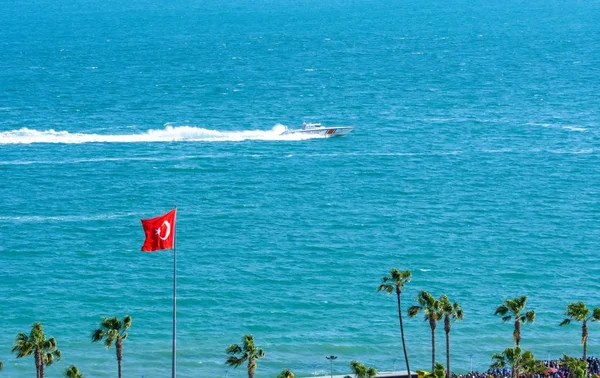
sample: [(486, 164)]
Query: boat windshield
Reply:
[(308, 126)]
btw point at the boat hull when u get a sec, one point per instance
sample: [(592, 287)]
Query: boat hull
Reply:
[(328, 132)]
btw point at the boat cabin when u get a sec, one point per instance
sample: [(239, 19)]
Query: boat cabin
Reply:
[(311, 126)]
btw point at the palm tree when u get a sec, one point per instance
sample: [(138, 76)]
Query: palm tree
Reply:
[(44, 350), (532, 367), (580, 313), (286, 373), (247, 351), (113, 330), (396, 282), (450, 311), (577, 368), (439, 372), (73, 372), (514, 308), (514, 358), (433, 312), (361, 371)]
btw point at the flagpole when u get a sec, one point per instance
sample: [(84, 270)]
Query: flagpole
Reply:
[(174, 293)]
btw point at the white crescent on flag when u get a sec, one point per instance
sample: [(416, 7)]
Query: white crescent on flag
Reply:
[(168, 230)]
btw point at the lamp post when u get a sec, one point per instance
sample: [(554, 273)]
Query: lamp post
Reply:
[(471, 363), (331, 358), (226, 373), (548, 351), (394, 365), (314, 370)]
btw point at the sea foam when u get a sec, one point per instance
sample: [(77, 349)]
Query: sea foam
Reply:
[(168, 134)]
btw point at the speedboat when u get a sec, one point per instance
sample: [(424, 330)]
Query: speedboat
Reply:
[(318, 129)]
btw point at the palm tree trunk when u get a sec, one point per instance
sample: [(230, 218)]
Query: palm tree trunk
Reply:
[(447, 330), (432, 325), (448, 373), (584, 337), (41, 365), (119, 348), (37, 364), (402, 332), (251, 368), (517, 333)]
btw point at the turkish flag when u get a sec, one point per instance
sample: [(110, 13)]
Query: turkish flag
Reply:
[(160, 232)]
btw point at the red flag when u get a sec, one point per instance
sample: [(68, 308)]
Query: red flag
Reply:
[(160, 232)]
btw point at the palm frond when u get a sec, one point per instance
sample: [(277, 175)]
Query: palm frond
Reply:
[(22, 338), (234, 361), (106, 323), (23, 345), (498, 361), (126, 322), (458, 311), (512, 305), (233, 349), (426, 300), (97, 335), (108, 341), (48, 359), (512, 353), (248, 341), (37, 332), (596, 315), (414, 311), (506, 318), (529, 317), (501, 310), (445, 303), (23, 350), (565, 322), (386, 288), (51, 343)]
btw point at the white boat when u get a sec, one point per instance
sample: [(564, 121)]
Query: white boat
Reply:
[(318, 129)]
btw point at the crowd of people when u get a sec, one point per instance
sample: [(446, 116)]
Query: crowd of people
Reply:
[(555, 370)]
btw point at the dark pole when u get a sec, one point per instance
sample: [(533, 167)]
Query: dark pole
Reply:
[(331, 358)]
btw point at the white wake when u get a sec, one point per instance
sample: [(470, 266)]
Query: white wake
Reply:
[(168, 134)]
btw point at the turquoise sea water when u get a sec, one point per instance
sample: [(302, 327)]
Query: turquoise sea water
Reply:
[(474, 164)]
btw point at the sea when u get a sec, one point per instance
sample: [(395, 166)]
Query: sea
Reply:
[(474, 164)]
